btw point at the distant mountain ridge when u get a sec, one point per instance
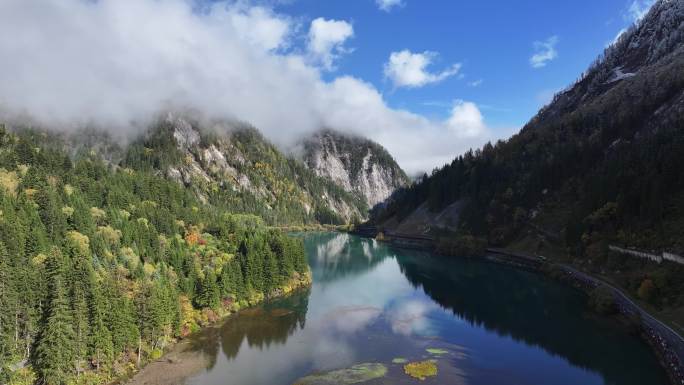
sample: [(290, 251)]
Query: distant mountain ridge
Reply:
[(357, 164)]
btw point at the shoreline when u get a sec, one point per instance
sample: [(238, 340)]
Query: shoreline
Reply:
[(177, 363), (665, 343)]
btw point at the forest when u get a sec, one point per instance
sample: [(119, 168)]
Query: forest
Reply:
[(104, 266)]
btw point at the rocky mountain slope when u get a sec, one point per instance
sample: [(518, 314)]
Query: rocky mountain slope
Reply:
[(356, 164), (234, 163), (224, 163)]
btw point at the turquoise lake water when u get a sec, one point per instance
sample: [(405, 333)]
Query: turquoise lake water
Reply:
[(371, 303)]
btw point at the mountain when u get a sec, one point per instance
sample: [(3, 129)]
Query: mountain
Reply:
[(601, 165), (234, 164), (222, 163), (356, 164)]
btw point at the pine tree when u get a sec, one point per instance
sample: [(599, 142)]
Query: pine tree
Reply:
[(8, 304), (227, 281), (209, 293), (238, 277), (55, 353), (271, 275), (156, 312), (100, 343), (81, 291), (122, 322)]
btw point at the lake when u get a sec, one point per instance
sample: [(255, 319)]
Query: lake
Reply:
[(480, 323)]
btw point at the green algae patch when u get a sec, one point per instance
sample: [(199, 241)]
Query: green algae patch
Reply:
[(436, 351), (399, 360), (421, 369), (357, 374)]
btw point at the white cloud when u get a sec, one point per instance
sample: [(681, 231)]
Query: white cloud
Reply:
[(260, 27), (544, 52), (118, 63), (466, 119), (327, 38), (408, 69), (387, 5), (638, 9), (476, 83), (418, 143)]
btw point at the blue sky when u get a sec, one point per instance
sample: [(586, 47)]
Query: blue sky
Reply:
[(427, 79), (493, 40)]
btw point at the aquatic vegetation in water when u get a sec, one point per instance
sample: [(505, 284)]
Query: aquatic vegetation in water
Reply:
[(436, 351), (399, 360), (356, 374), (421, 369)]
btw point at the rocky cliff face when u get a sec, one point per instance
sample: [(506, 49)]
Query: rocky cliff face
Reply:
[(356, 164), (232, 162)]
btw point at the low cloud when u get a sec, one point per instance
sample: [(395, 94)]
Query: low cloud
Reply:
[(388, 5), (544, 52), (410, 70), (118, 63)]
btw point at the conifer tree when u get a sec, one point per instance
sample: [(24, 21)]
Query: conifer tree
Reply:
[(55, 351), (81, 293), (8, 304), (100, 343), (122, 322), (209, 293), (227, 281)]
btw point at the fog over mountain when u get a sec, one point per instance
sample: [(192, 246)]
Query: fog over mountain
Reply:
[(117, 63)]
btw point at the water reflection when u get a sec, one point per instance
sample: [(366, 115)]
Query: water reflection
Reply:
[(335, 256), (411, 317), (265, 325), (533, 310), (484, 323)]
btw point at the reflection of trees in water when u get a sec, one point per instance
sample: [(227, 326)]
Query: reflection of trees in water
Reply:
[(264, 325), (333, 256), (532, 310), (207, 342)]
